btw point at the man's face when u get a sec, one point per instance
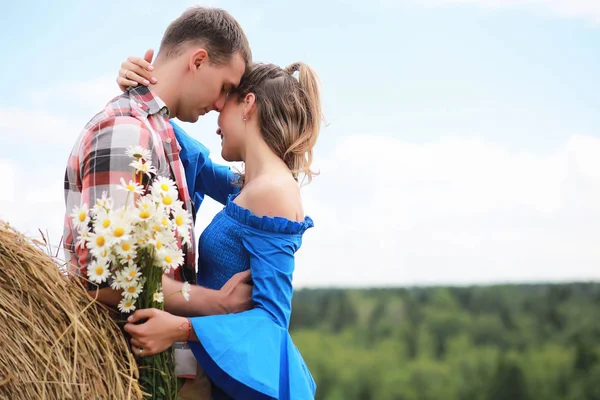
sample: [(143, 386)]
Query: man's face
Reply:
[(207, 88)]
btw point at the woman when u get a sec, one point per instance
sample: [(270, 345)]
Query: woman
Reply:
[(271, 123)]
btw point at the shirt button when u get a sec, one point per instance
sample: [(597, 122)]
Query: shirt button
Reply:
[(168, 140), (139, 105)]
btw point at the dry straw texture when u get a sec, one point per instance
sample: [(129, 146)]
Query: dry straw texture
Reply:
[(55, 341)]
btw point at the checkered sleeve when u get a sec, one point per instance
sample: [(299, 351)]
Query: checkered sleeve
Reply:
[(103, 162)]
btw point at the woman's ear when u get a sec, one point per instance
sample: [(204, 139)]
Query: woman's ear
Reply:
[(249, 103)]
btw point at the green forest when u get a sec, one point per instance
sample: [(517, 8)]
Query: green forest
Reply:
[(505, 342)]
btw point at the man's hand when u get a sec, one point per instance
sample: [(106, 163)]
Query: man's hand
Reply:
[(236, 295)]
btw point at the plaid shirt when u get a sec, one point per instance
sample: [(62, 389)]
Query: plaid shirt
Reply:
[(98, 162)]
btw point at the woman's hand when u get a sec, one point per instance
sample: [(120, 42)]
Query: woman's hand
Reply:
[(136, 70), (158, 333)]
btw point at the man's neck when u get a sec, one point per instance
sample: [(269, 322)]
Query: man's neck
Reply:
[(167, 86)]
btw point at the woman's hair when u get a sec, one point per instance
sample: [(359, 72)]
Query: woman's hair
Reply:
[(289, 111)]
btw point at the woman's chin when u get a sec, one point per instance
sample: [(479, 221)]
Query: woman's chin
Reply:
[(227, 156)]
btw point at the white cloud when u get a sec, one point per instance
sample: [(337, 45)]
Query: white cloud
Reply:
[(36, 127), (452, 211), (586, 9), (31, 199)]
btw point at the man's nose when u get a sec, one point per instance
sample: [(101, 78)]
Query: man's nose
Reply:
[(220, 103)]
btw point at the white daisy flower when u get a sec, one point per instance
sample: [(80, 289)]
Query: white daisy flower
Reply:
[(131, 187), (131, 275), (98, 271), (164, 191), (185, 291), (103, 204), (158, 297), (133, 291), (99, 244), (146, 208), (80, 216), (185, 237), (127, 305), (182, 220), (141, 235), (118, 282), (162, 223), (143, 166), (170, 258), (126, 249), (138, 152), (163, 240), (103, 220), (162, 185), (120, 227), (83, 237)]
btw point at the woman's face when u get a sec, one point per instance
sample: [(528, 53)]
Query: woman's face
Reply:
[(232, 129)]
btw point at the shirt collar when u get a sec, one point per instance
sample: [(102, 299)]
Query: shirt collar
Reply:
[(143, 100)]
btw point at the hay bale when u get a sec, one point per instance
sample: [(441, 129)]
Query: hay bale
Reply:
[(55, 341)]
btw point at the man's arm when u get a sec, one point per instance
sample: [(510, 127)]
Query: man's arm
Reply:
[(235, 296), (103, 163)]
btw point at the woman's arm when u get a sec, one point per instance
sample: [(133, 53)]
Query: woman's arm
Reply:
[(203, 177), (159, 332), (136, 70)]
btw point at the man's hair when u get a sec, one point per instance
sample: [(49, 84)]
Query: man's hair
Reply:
[(215, 29)]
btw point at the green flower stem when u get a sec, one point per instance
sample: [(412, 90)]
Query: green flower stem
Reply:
[(157, 373)]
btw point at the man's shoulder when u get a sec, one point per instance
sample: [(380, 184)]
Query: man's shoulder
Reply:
[(119, 108), (117, 115)]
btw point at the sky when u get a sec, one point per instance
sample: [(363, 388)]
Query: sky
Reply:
[(462, 143)]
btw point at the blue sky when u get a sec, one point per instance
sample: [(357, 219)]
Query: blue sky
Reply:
[(461, 143)]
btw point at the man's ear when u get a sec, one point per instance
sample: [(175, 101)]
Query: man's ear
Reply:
[(197, 58)]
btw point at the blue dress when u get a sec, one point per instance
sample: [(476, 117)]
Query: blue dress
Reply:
[(249, 355)]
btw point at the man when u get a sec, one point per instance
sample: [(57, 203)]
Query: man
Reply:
[(202, 56)]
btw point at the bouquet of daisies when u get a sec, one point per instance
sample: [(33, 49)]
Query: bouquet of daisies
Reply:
[(133, 246)]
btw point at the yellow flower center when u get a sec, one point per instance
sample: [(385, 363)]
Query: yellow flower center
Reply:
[(119, 232), (127, 304), (131, 188), (167, 201), (126, 246), (164, 187), (179, 220), (168, 259), (82, 216), (165, 222), (99, 270), (106, 223), (131, 289), (144, 214), (100, 241), (132, 273), (157, 228), (158, 244)]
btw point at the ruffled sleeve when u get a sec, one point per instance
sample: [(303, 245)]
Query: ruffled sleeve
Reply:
[(268, 224), (202, 175)]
